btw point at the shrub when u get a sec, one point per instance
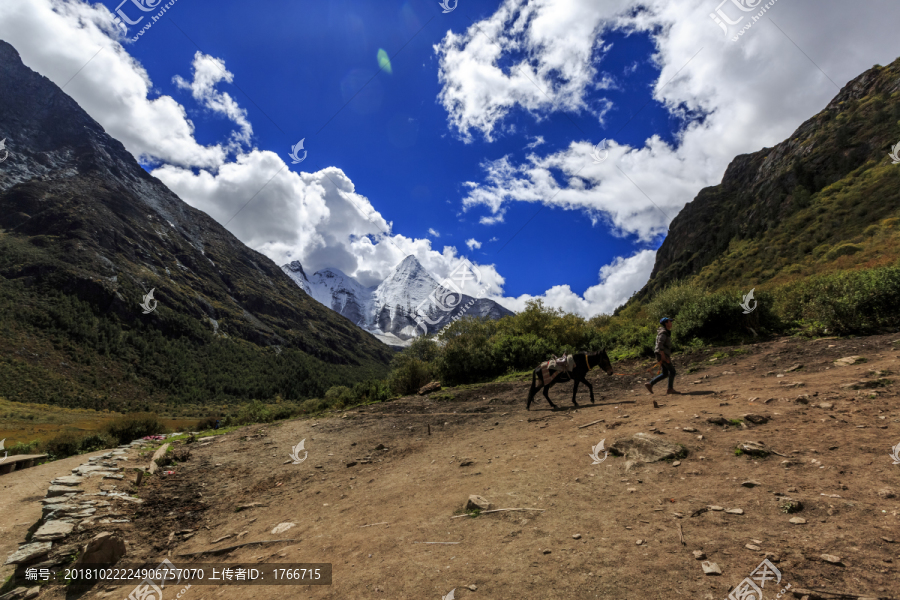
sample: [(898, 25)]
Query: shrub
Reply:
[(63, 445), (339, 396), (409, 375), (24, 447), (134, 426), (254, 412)]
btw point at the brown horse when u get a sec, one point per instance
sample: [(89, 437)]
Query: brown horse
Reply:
[(584, 362)]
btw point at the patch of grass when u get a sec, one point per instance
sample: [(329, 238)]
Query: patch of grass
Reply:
[(442, 397), (738, 452), (735, 422)]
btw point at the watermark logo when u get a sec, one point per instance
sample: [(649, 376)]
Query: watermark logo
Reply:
[(723, 20), (895, 153), (895, 454), (448, 295), (596, 450), (6, 152), (144, 6), (152, 588), (295, 149), (5, 453), (452, 593), (445, 4), (146, 303), (295, 453), (746, 303), (751, 588), (601, 152)]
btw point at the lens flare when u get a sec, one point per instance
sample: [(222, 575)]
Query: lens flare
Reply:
[(384, 62)]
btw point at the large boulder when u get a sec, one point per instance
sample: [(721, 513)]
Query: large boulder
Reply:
[(477, 503), (104, 548), (434, 386), (646, 448), (160, 452)]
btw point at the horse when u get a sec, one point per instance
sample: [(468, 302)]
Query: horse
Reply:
[(584, 362)]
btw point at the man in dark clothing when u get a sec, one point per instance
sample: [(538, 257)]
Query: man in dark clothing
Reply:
[(664, 356)]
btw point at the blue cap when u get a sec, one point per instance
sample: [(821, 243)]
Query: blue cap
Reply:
[(664, 319)]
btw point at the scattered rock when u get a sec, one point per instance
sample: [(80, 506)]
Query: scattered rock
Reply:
[(67, 480), (735, 511), (477, 503), (106, 548), (793, 368), (831, 558), (699, 555), (639, 542), (224, 537), (756, 419), (352, 463), (751, 484), (282, 527), (887, 493), (717, 420), (645, 448), (577, 536), (547, 551), (29, 552), (728, 373), (467, 462), (676, 463), (246, 506), (473, 587), (710, 568), (797, 521), (754, 448), (59, 490), (849, 360), (864, 384), (752, 547), (689, 429), (716, 508), (434, 386), (381, 447)]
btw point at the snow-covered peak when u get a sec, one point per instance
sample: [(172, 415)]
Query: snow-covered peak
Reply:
[(295, 271)]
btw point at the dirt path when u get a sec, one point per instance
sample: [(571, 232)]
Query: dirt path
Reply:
[(835, 444)]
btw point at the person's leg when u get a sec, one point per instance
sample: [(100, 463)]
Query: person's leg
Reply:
[(671, 376)]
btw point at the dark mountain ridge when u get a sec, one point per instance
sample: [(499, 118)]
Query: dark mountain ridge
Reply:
[(87, 233), (827, 198)]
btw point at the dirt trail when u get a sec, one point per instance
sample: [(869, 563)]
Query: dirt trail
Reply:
[(835, 441)]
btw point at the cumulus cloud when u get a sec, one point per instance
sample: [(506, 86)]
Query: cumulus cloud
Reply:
[(745, 103), (473, 244), (434, 233), (59, 39), (619, 280), (209, 71)]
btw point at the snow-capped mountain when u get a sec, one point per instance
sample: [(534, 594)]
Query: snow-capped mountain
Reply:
[(388, 310)]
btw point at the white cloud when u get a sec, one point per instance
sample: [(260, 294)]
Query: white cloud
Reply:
[(753, 93), (433, 232), (619, 280), (473, 244), (538, 140), (208, 72), (75, 45)]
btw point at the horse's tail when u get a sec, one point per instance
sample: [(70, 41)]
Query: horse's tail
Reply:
[(532, 391)]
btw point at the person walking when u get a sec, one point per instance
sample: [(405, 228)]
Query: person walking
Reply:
[(664, 356)]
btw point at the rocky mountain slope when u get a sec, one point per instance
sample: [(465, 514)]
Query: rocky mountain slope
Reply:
[(827, 198), (388, 310), (87, 233)]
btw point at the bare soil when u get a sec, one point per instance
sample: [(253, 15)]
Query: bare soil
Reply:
[(370, 519)]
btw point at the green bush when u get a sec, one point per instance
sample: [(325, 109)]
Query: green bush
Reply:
[(63, 445), (409, 375), (255, 412), (339, 396), (134, 426), (24, 448)]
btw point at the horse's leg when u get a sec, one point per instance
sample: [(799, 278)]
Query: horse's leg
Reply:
[(532, 391), (575, 390), (547, 396), (589, 387)]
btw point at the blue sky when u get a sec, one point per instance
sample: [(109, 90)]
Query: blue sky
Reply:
[(483, 127), (322, 82)]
